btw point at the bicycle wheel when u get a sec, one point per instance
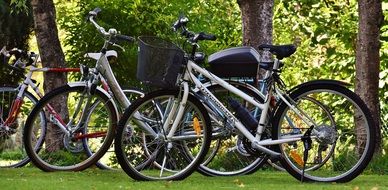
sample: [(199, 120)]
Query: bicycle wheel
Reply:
[(63, 145), (230, 153), (109, 160), (340, 150), (147, 156), (12, 153)]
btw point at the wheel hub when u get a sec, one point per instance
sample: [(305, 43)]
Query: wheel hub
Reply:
[(72, 144), (5, 132), (325, 134)]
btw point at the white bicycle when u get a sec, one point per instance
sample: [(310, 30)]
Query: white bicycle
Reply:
[(166, 134)]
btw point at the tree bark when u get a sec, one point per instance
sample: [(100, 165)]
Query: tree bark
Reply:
[(257, 26), (368, 59), (51, 55)]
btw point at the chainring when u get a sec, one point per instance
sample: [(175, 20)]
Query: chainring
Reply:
[(248, 144)]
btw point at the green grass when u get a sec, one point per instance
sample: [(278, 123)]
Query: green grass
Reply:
[(33, 178)]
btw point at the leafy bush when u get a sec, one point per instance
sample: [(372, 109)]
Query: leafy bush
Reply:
[(15, 30), (63, 157), (136, 18)]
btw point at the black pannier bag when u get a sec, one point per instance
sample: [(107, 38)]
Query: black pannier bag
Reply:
[(235, 62)]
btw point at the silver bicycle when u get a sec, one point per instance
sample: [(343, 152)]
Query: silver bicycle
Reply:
[(81, 116)]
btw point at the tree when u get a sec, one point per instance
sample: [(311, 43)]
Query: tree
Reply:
[(368, 59), (256, 18), (50, 51)]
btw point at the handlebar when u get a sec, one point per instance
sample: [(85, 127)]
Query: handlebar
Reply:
[(191, 36), (112, 33), (22, 60)]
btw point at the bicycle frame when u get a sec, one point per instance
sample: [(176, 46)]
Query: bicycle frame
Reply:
[(104, 74), (28, 82), (255, 139), (109, 82)]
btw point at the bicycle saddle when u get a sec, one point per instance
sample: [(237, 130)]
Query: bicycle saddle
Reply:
[(281, 51), (96, 56)]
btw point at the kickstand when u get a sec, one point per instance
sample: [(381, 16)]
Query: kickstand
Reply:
[(306, 139)]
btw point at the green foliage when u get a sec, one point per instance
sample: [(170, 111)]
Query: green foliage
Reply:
[(326, 34), (15, 29), (136, 18), (383, 83), (63, 157), (20, 6), (325, 31), (12, 155)]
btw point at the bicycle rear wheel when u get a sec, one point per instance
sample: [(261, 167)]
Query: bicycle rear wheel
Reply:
[(147, 156), (340, 150), (12, 152), (67, 129)]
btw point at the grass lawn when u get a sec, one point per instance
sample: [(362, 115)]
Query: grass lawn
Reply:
[(33, 178)]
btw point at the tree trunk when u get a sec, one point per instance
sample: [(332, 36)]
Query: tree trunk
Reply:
[(51, 55), (368, 59), (256, 18)]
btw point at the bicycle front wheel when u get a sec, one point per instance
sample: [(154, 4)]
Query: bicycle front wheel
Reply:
[(142, 147), (340, 150), (12, 153), (71, 124)]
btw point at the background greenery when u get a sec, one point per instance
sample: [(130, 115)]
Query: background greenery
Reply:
[(325, 32), (16, 28)]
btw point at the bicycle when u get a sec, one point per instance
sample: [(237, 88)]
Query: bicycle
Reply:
[(16, 102), (340, 152), (88, 121), (227, 152)]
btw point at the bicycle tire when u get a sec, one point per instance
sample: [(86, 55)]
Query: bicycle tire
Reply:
[(12, 152), (64, 151), (347, 160), (142, 156)]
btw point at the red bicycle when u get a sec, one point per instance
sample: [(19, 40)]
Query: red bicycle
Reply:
[(16, 102)]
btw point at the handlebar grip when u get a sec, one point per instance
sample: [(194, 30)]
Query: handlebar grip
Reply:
[(204, 36), (125, 38), (94, 12), (17, 53), (182, 21), (176, 26)]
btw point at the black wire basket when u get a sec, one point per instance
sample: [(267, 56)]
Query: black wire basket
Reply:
[(159, 62)]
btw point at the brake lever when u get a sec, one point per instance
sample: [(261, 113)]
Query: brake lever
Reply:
[(121, 47), (5, 52)]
